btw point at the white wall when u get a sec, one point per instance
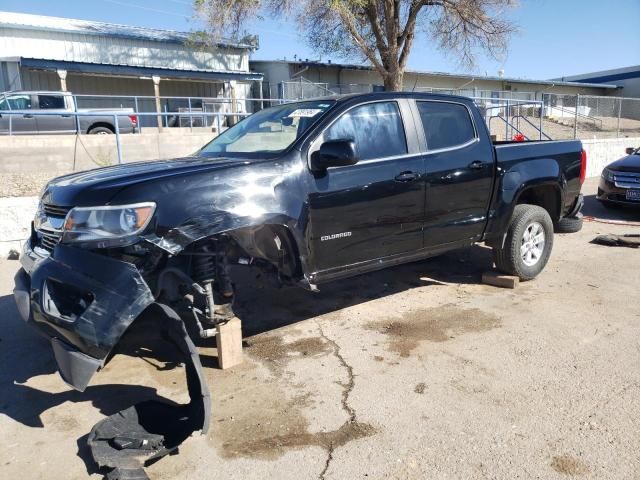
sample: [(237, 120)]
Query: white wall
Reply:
[(112, 50), (602, 152)]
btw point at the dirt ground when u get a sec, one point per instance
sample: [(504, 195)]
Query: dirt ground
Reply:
[(414, 372)]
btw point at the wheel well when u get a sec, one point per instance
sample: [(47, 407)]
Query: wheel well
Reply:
[(101, 124), (545, 196), (273, 243)]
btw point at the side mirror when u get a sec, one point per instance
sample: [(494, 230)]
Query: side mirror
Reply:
[(629, 150), (334, 153)]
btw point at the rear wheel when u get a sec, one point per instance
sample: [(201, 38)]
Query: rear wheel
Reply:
[(100, 131), (528, 244)]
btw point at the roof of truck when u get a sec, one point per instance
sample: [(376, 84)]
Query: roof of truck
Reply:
[(35, 92)]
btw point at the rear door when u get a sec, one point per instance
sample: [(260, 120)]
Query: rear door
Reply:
[(61, 123), (375, 208), (459, 172)]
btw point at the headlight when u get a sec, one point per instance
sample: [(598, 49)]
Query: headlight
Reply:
[(107, 226), (608, 175)]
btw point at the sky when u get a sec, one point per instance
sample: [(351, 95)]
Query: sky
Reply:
[(556, 38)]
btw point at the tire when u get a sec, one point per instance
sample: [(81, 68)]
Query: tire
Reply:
[(100, 131), (570, 224), (516, 258)]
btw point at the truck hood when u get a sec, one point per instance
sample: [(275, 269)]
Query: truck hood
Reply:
[(99, 186), (630, 163), (195, 197)]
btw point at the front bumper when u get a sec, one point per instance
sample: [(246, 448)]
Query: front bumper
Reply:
[(83, 302), (609, 192)]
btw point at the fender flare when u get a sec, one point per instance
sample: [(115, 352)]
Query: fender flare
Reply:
[(514, 183)]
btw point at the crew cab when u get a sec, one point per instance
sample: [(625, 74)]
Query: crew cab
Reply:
[(59, 108), (311, 192)]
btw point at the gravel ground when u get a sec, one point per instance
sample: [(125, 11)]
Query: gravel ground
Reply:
[(415, 372), (23, 184)]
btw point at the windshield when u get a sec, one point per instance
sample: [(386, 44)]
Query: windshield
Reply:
[(271, 130)]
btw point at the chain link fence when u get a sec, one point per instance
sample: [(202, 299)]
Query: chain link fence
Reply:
[(587, 116), (509, 113), (303, 88)]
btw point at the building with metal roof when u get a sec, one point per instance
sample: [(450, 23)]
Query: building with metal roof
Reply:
[(286, 79), (627, 78), (85, 57)]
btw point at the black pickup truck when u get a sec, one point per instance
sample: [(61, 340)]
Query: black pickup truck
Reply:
[(311, 192)]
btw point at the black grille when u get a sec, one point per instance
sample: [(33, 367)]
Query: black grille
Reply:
[(49, 238), (55, 211)]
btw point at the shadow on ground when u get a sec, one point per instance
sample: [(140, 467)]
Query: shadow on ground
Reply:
[(268, 307), (593, 208)]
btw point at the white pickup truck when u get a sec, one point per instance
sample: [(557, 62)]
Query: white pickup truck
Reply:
[(29, 104)]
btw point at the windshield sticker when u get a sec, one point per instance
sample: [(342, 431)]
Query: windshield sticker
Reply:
[(305, 112)]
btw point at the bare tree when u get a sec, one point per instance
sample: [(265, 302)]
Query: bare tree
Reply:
[(383, 31)]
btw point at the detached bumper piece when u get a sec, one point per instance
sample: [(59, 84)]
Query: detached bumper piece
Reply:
[(611, 240), (127, 441)]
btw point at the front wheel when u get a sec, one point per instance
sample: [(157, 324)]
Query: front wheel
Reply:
[(527, 246)]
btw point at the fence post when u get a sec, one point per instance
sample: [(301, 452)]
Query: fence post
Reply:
[(137, 108), (506, 123), (619, 115), (190, 116), (575, 120), (118, 146), (218, 123), (541, 113)]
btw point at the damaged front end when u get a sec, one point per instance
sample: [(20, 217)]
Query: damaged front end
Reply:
[(120, 243), (83, 301)]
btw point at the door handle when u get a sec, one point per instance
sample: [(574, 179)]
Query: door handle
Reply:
[(66, 116), (27, 115), (476, 165), (407, 176)]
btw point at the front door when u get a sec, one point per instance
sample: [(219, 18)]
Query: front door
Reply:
[(375, 208), (21, 123), (459, 173)]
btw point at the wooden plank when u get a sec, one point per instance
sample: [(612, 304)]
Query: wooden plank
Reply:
[(229, 343), (500, 280)]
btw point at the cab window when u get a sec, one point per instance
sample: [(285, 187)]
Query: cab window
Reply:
[(376, 129), (446, 125), (19, 102), (51, 102)]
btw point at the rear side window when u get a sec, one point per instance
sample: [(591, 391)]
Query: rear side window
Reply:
[(446, 125), (51, 102), (376, 129)]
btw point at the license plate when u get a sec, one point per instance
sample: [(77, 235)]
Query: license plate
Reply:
[(633, 195)]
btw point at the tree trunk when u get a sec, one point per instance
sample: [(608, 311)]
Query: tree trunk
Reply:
[(393, 81)]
